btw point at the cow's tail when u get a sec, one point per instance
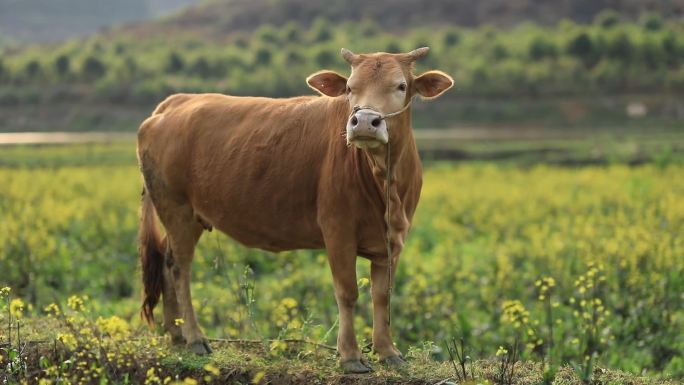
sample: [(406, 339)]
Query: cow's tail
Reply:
[(151, 258)]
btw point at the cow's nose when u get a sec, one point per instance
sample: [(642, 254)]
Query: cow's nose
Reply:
[(366, 124)]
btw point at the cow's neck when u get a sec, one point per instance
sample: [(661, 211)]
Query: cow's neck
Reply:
[(402, 147), (403, 163)]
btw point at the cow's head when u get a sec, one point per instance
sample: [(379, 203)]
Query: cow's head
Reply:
[(380, 85)]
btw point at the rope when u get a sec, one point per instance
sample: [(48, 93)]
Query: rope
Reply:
[(387, 236), (388, 197), (383, 117)]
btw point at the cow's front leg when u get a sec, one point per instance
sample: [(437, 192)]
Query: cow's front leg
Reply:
[(342, 259), (382, 337)]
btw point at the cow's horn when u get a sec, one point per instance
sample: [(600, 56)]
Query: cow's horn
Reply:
[(418, 53), (348, 55)]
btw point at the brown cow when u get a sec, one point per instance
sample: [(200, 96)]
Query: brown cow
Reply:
[(281, 174)]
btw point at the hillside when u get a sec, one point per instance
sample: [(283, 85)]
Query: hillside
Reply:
[(221, 17), (553, 74), (55, 20)]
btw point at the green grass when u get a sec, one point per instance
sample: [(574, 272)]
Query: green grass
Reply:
[(484, 235), (142, 357)]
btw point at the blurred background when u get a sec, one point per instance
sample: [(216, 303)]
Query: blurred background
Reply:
[(524, 69), (553, 169)]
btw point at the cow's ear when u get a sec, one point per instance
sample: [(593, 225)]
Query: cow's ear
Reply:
[(431, 84), (328, 83)]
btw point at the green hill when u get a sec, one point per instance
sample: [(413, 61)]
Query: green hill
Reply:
[(561, 74), (55, 20), (221, 17)]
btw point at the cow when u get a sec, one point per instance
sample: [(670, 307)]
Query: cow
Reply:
[(307, 172)]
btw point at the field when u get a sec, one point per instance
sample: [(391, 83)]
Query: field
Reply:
[(581, 268)]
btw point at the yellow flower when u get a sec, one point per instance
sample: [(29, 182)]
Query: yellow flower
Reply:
[(277, 347), (514, 313), (501, 351), (289, 303), (212, 369), (151, 377), (4, 292), (68, 340), (178, 321), (52, 310), (258, 377), (76, 303), (114, 326), (17, 308)]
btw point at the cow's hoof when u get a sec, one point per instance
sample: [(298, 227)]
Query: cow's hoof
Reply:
[(355, 366), (393, 361), (200, 348)]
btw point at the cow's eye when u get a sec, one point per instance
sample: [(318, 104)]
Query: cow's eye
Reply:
[(348, 90), (402, 87)]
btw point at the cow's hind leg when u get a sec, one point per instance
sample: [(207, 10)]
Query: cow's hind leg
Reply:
[(171, 307), (183, 232)]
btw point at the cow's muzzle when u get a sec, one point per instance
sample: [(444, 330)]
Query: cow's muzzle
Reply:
[(367, 128)]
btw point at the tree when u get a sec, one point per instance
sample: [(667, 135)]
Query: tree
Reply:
[(62, 65), (368, 28), (499, 52), (174, 63), (119, 48), (32, 69), (451, 38), (582, 47), (131, 66), (325, 58), (540, 48), (652, 53), (393, 47), (263, 57), (620, 47), (607, 18), (293, 58), (320, 30), (267, 35), (652, 22), (242, 42), (671, 47), (93, 68), (292, 33), (201, 68)]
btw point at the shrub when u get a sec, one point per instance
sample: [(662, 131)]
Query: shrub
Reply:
[(93, 68)]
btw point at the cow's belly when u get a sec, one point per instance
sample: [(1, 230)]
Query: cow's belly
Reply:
[(272, 234), (266, 213), (372, 240)]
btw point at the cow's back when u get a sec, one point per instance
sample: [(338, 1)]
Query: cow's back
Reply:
[(248, 166)]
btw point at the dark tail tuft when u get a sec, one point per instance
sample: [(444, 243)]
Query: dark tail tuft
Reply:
[(151, 258)]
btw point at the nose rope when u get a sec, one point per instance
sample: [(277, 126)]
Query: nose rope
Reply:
[(385, 116), (390, 283)]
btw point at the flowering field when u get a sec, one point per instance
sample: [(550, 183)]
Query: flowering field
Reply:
[(567, 268)]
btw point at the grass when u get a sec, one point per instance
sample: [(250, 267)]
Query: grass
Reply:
[(497, 252), (108, 358)]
